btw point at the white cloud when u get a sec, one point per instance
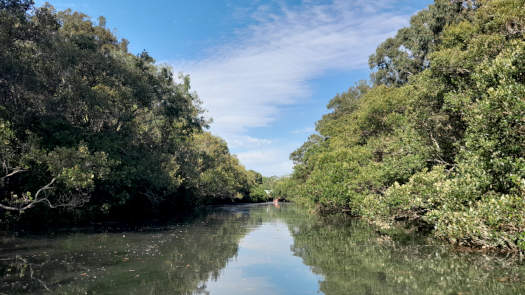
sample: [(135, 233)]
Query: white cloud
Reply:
[(268, 161), (245, 141), (244, 84), (306, 130)]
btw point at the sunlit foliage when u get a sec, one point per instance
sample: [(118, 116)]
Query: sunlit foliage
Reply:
[(439, 139)]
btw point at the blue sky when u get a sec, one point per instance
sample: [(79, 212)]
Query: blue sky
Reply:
[(265, 70)]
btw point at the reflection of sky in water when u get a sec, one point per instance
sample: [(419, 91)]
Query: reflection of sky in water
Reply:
[(266, 265)]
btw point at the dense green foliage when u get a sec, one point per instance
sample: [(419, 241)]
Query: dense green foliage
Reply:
[(84, 123), (438, 139), (262, 191)]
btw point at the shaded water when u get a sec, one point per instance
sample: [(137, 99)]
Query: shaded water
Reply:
[(249, 249)]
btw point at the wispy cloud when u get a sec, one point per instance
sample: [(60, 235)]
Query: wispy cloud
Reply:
[(247, 142), (268, 161), (306, 130), (244, 84)]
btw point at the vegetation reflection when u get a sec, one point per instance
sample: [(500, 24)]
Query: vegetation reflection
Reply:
[(349, 254), (154, 261), (354, 258)]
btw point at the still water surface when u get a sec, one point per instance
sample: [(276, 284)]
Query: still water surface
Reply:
[(249, 249)]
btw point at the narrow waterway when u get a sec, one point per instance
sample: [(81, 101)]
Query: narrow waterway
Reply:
[(250, 249)]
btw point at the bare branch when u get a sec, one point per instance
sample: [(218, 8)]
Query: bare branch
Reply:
[(9, 207), (15, 171), (32, 202), (435, 142), (45, 187)]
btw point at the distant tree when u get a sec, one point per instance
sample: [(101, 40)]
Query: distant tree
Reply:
[(406, 54)]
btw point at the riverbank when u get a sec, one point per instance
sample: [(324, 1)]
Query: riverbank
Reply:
[(126, 223), (389, 228)]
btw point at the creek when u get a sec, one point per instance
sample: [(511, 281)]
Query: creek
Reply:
[(249, 249)]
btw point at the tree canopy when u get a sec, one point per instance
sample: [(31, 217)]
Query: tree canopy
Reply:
[(85, 123), (438, 140)]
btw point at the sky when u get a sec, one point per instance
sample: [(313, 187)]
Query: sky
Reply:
[(263, 69)]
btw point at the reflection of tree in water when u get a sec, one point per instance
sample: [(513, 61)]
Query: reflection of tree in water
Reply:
[(176, 260), (354, 259), (351, 257)]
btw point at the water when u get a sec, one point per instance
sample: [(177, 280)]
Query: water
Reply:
[(250, 249)]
